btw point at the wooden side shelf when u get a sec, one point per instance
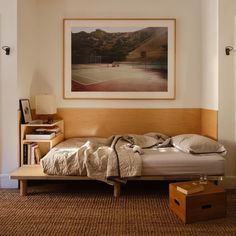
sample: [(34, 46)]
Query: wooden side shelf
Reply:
[(44, 145)]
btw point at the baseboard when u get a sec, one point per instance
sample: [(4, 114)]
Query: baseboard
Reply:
[(229, 182), (6, 182)]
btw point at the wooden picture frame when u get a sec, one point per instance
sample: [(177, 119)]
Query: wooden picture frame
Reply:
[(25, 111), (119, 58)]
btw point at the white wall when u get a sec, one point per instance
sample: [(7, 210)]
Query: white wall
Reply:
[(227, 88), (210, 63), (48, 74), (27, 45), (8, 92)]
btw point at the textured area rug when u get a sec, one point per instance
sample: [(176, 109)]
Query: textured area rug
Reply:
[(89, 208)]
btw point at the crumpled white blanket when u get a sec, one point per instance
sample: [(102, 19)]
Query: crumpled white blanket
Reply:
[(101, 159)]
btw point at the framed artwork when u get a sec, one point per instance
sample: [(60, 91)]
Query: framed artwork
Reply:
[(119, 58), (25, 111)]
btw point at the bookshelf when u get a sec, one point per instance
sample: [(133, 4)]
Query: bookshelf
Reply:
[(44, 145)]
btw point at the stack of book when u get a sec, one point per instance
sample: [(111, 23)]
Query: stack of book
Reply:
[(43, 134), (190, 188), (31, 154)]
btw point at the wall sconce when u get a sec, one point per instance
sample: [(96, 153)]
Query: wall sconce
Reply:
[(6, 49), (228, 49)]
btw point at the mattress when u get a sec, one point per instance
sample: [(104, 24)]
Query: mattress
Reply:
[(166, 161), (171, 161)]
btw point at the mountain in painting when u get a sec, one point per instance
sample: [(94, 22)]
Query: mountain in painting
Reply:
[(148, 44)]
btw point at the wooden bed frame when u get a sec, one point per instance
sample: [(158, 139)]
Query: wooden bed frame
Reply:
[(101, 122)]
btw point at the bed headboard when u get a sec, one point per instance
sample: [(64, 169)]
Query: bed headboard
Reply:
[(104, 122)]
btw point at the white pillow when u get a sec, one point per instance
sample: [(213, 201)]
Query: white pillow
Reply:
[(197, 144)]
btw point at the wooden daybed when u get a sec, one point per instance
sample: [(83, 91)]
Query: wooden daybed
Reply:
[(81, 122), (30, 172)]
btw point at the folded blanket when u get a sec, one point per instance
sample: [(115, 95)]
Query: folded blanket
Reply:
[(117, 157)]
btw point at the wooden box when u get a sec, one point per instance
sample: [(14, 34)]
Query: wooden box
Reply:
[(209, 204)]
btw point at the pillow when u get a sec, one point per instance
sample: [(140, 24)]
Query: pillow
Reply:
[(197, 144)]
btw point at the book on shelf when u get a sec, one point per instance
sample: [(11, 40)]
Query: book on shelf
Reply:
[(40, 135), (190, 188), (29, 153), (55, 129), (32, 153), (36, 122), (38, 155), (25, 154)]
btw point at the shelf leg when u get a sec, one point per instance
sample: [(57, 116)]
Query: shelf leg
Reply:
[(23, 187), (116, 190)]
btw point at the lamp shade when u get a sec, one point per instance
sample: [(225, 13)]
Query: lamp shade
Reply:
[(45, 104)]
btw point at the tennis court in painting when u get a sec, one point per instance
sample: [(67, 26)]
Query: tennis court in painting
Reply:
[(118, 77)]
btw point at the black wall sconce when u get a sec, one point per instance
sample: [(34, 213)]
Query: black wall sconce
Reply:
[(6, 49), (228, 49)]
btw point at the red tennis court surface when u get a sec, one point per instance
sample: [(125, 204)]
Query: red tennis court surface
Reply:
[(120, 78)]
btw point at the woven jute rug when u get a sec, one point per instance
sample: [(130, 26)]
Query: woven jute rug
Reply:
[(89, 208)]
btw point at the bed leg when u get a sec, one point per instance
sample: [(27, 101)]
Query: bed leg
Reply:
[(116, 189), (23, 187)]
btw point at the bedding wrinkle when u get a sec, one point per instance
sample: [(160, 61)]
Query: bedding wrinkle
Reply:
[(119, 159)]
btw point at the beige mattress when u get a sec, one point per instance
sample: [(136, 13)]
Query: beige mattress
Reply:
[(171, 161)]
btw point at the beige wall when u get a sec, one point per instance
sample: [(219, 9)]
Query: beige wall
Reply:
[(8, 92), (227, 88), (47, 76), (27, 45), (210, 57)]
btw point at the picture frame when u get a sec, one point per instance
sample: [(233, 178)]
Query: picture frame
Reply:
[(25, 111), (119, 58)]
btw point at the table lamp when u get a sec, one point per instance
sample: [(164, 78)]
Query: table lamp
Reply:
[(46, 105)]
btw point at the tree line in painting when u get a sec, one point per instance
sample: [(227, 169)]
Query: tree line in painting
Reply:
[(148, 45)]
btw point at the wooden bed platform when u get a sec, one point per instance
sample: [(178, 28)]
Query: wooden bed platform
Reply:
[(101, 122), (35, 172)]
